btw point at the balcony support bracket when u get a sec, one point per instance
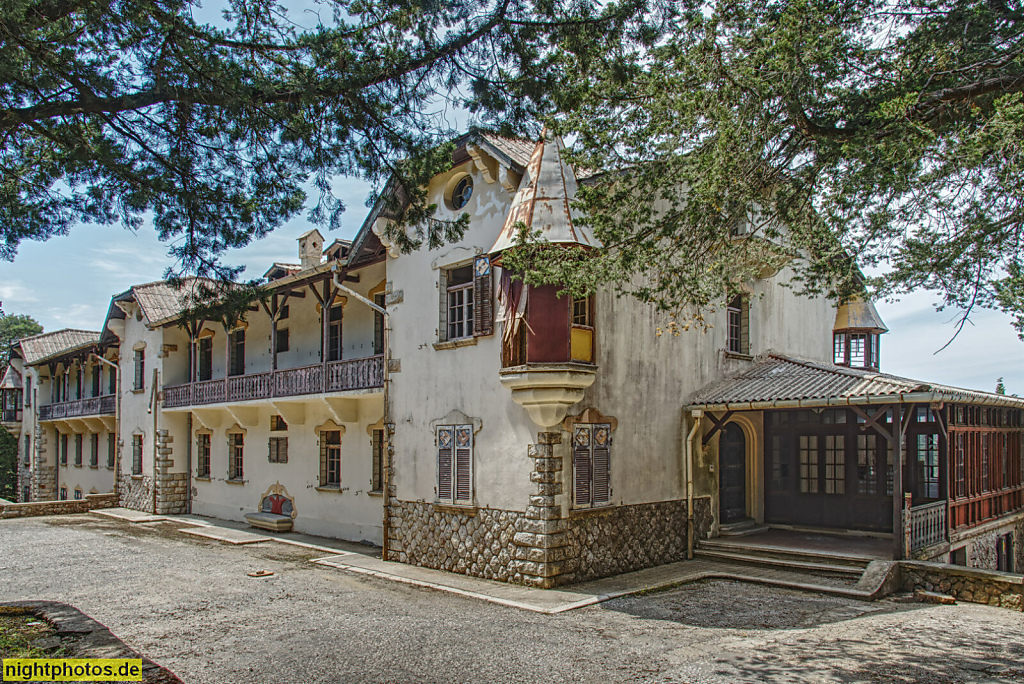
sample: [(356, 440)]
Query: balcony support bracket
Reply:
[(342, 410), (245, 416), (293, 412)]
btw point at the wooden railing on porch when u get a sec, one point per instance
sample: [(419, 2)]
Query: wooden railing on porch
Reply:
[(340, 376), (93, 406), (927, 525)]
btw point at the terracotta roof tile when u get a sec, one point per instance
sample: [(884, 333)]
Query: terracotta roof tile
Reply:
[(38, 347)]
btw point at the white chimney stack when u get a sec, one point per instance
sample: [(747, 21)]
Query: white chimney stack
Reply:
[(311, 246)]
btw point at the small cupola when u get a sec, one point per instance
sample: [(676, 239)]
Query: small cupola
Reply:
[(856, 333), (311, 245)]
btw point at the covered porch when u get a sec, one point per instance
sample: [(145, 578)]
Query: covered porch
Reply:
[(811, 448)]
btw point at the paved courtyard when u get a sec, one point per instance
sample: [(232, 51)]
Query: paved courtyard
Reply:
[(188, 603)]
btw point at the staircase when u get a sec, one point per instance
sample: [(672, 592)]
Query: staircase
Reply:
[(822, 564)]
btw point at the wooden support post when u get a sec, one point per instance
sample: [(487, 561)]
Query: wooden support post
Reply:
[(273, 332), (897, 482)]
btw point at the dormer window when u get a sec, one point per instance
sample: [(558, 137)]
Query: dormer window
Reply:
[(856, 334)]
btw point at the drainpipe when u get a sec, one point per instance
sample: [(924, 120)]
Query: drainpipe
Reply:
[(688, 460), (385, 475), (156, 415), (117, 418)]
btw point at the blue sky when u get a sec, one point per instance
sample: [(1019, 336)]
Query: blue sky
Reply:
[(68, 282)]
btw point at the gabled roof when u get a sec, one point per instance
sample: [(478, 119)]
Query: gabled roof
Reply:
[(40, 347), (543, 202), (11, 379), (784, 382), (279, 270)]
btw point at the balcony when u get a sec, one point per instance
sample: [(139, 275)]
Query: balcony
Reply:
[(336, 376), (93, 406)]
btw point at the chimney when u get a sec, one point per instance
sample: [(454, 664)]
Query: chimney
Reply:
[(310, 249)]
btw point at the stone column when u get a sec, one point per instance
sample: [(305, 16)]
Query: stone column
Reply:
[(170, 487), (542, 551)]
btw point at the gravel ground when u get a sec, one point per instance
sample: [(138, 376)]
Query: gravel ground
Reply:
[(188, 604)]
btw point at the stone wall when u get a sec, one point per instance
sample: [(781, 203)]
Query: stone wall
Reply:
[(44, 477), (35, 508), (541, 546), (981, 543), (476, 542), (135, 491), (627, 538), (971, 585)]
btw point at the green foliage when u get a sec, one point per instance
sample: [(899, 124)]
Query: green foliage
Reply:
[(130, 111), (13, 327), (8, 465), (884, 134)]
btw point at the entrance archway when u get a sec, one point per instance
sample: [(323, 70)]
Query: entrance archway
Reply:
[(732, 475)]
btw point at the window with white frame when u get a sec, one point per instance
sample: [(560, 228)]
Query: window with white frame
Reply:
[(330, 458), (459, 290), (738, 325), (591, 464), (455, 464), (236, 456)]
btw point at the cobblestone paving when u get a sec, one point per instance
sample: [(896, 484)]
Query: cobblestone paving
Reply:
[(188, 604)]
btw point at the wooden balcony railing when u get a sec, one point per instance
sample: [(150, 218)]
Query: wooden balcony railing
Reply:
[(93, 406), (340, 376), (927, 525)]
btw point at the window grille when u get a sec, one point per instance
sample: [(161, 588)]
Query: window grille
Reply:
[(136, 454)]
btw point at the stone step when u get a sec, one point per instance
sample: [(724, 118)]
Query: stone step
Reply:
[(788, 563), (785, 553), (745, 528)]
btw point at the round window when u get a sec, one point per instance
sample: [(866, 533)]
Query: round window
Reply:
[(462, 192)]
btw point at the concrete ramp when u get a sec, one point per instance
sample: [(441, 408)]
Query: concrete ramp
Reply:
[(227, 535), (128, 515)]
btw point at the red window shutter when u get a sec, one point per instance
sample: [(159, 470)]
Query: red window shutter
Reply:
[(483, 297), (463, 462), (445, 445), (582, 472)]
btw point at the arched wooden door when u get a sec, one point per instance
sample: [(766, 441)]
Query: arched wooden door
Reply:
[(732, 476)]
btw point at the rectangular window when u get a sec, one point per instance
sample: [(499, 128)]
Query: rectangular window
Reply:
[(874, 351), (94, 450), (780, 466), (63, 493), (277, 423), (63, 448), (282, 340), (809, 464), (455, 463), (278, 450), (378, 324), (460, 311), (236, 352), (97, 378), (867, 464), (78, 495), (112, 382), (581, 311), (984, 462), (858, 350), (330, 458), (202, 455), (839, 349), (591, 457), (835, 464), (236, 456), (27, 456), (204, 359), (78, 449), (927, 467), (738, 325), (136, 454), (961, 466), (28, 391), (140, 369), (111, 449), (377, 450), (334, 333)]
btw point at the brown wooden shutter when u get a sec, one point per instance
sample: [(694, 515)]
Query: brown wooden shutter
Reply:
[(323, 458), (582, 472), (463, 463), (602, 439), (445, 445), (483, 297)]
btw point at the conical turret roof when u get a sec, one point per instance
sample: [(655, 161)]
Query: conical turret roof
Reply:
[(543, 201), (858, 314)]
